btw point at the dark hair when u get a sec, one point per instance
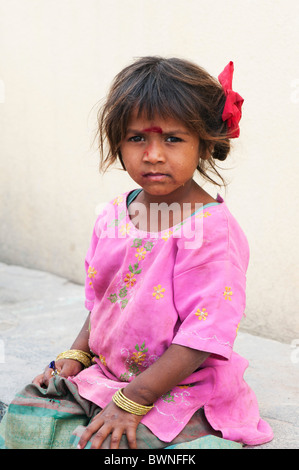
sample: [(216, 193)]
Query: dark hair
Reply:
[(173, 88)]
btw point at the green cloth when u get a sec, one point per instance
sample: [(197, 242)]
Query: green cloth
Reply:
[(40, 418), (207, 442), (55, 418)]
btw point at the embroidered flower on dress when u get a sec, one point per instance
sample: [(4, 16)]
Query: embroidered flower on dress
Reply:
[(168, 397), (138, 357), (118, 200), (125, 229), (141, 252), (135, 362), (112, 298), (227, 293), (123, 292), (91, 272), (102, 359), (137, 242), (130, 279), (158, 291), (203, 214), (166, 235), (201, 314), (148, 246)]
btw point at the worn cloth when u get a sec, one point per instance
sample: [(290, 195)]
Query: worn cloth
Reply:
[(184, 286), (55, 417)]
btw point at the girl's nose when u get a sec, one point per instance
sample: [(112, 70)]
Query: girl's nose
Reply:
[(153, 153)]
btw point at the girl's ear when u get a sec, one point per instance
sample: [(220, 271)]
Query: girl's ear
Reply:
[(204, 152)]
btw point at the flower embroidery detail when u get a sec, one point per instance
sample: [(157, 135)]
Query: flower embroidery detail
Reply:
[(166, 236), (185, 386), (113, 298), (201, 314), (204, 214), (168, 397), (136, 362), (118, 200), (227, 293), (138, 357), (125, 229), (141, 252), (137, 242), (123, 296), (148, 246), (124, 303), (103, 360), (158, 291), (115, 222), (130, 279), (91, 272), (123, 292)]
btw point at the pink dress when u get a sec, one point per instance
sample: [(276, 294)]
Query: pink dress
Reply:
[(186, 286)]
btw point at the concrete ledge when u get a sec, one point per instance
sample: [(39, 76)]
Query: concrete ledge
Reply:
[(41, 314)]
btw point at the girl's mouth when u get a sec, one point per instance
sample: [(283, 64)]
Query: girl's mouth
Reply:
[(155, 176)]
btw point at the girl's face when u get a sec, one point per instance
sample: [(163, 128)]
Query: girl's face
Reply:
[(160, 155)]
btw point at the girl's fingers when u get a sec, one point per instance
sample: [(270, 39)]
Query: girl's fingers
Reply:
[(101, 435), (93, 427), (43, 379), (98, 434), (115, 438), (112, 422), (131, 438), (38, 380)]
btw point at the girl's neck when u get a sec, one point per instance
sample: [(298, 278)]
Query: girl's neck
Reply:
[(190, 193), (183, 202)]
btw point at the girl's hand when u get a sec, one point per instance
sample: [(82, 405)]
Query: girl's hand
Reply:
[(111, 420), (65, 367)]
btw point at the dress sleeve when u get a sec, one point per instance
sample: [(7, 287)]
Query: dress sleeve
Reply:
[(211, 308), (209, 291)]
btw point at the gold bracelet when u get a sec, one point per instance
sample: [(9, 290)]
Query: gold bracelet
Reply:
[(130, 406), (76, 354)]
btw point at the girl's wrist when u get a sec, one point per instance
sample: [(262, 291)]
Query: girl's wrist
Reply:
[(78, 355), (123, 402), (140, 395)]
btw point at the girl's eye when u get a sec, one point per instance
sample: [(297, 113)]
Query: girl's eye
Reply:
[(172, 139), (140, 138), (136, 138)]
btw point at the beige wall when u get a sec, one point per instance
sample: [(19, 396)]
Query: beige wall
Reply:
[(57, 60)]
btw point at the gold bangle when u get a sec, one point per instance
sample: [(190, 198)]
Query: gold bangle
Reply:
[(130, 406), (76, 354)]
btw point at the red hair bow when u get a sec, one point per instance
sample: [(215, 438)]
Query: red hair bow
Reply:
[(232, 109)]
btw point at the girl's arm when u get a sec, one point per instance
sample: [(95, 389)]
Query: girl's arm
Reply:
[(176, 364), (67, 367), (81, 342)]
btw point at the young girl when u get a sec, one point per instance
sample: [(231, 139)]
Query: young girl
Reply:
[(165, 284)]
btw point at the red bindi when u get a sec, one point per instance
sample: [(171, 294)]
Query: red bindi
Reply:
[(156, 129)]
